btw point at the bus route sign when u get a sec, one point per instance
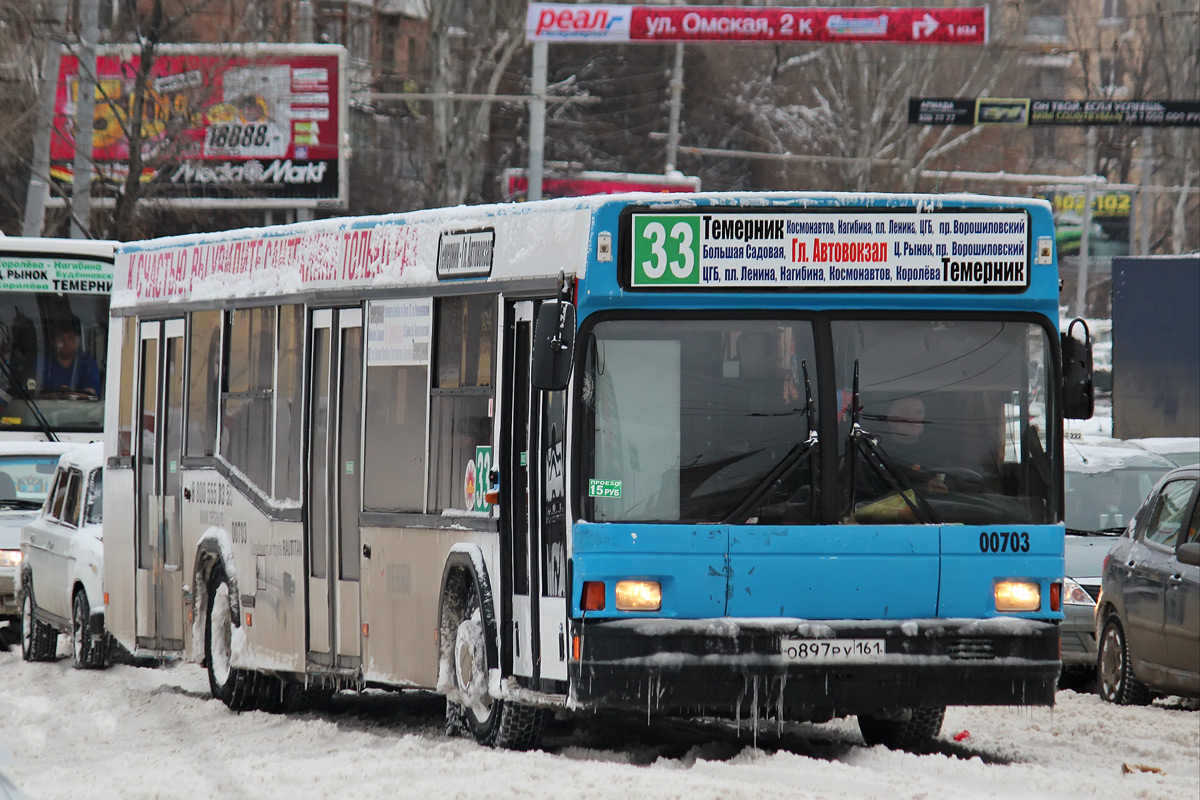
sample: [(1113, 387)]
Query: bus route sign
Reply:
[(845, 250)]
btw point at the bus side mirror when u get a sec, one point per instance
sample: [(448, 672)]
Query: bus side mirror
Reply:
[(1079, 396), (553, 345)]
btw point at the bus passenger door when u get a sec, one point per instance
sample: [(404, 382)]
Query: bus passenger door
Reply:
[(159, 586), (514, 487), (535, 509), (331, 531)]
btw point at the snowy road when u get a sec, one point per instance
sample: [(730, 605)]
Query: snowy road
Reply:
[(154, 733)]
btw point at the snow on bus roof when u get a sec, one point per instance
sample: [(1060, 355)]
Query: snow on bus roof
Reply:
[(88, 248), (403, 248)]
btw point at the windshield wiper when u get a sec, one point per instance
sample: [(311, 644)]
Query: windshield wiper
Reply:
[(794, 456), (859, 440), (29, 401)]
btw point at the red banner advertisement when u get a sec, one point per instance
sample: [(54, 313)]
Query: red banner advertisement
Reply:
[(216, 122), (610, 23)]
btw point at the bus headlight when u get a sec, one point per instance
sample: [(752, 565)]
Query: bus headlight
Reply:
[(10, 558), (639, 596), (1018, 596)]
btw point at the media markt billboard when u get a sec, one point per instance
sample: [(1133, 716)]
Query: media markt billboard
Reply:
[(222, 125), (878, 250)]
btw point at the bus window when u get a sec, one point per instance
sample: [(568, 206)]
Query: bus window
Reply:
[(245, 439), (462, 395), (399, 333), (950, 409), (126, 424), (289, 419), (688, 417), (204, 361)]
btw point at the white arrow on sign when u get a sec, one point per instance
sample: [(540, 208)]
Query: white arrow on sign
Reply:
[(926, 26)]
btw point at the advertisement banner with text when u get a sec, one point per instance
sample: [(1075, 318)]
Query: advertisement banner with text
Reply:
[(560, 22), (226, 124), (1024, 111)]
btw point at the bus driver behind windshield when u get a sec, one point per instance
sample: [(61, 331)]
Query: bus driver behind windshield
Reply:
[(67, 370)]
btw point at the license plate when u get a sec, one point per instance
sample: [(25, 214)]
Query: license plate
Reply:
[(827, 651)]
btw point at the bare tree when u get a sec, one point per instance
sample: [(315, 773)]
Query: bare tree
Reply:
[(472, 44)]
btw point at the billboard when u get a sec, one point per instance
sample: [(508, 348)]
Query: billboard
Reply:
[(580, 184), (1025, 111), (593, 22), (221, 125)]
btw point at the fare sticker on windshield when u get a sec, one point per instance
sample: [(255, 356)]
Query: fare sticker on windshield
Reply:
[(598, 487), (863, 249)]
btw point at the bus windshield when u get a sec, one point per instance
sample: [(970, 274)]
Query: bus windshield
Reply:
[(54, 302), (684, 419)]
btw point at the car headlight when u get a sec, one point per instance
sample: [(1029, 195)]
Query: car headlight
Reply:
[(10, 558), (639, 596), (1018, 596), (1076, 595)]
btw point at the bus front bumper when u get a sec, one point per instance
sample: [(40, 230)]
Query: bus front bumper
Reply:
[(799, 670)]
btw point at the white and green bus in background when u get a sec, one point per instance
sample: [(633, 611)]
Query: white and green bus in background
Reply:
[(54, 298)]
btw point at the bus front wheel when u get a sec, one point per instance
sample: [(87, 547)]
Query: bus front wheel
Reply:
[(911, 730), (232, 686), (489, 720)]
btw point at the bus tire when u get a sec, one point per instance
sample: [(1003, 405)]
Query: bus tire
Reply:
[(39, 642), (1115, 681), (232, 686), (89, 647), (913, 732), (489, 720)]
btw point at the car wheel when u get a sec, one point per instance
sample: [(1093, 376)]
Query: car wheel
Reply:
[(89, 645), (1115, 680), (233, 687), (490, 721), (912, 733), (39, 642)]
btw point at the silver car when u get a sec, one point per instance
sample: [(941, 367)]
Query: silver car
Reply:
[(1148, 613)]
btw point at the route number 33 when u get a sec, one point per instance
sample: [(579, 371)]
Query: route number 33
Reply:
[(665, 250)]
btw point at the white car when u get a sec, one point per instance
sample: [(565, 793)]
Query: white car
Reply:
[(26, 469), (61, 586)]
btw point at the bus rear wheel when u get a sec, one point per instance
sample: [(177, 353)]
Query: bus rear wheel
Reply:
[(232, 686), (912, 730), (491, 721)]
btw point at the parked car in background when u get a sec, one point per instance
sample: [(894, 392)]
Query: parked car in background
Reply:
[(25, 472), (62, 567), (1148, 613), (1183, 450), (1106, 481)]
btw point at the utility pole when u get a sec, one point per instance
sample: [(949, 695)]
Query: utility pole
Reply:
[(537, 122), (676, 102), (85, 114), (1144, 206), (1085, 238), (39, 172)]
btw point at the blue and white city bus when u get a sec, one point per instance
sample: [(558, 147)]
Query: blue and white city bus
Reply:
[(772, 456)]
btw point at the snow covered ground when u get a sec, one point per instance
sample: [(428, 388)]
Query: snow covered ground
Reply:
[(154, 733)]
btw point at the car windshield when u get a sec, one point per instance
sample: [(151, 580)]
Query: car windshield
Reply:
[(1107, 501), (25, 480), (694, 421)]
